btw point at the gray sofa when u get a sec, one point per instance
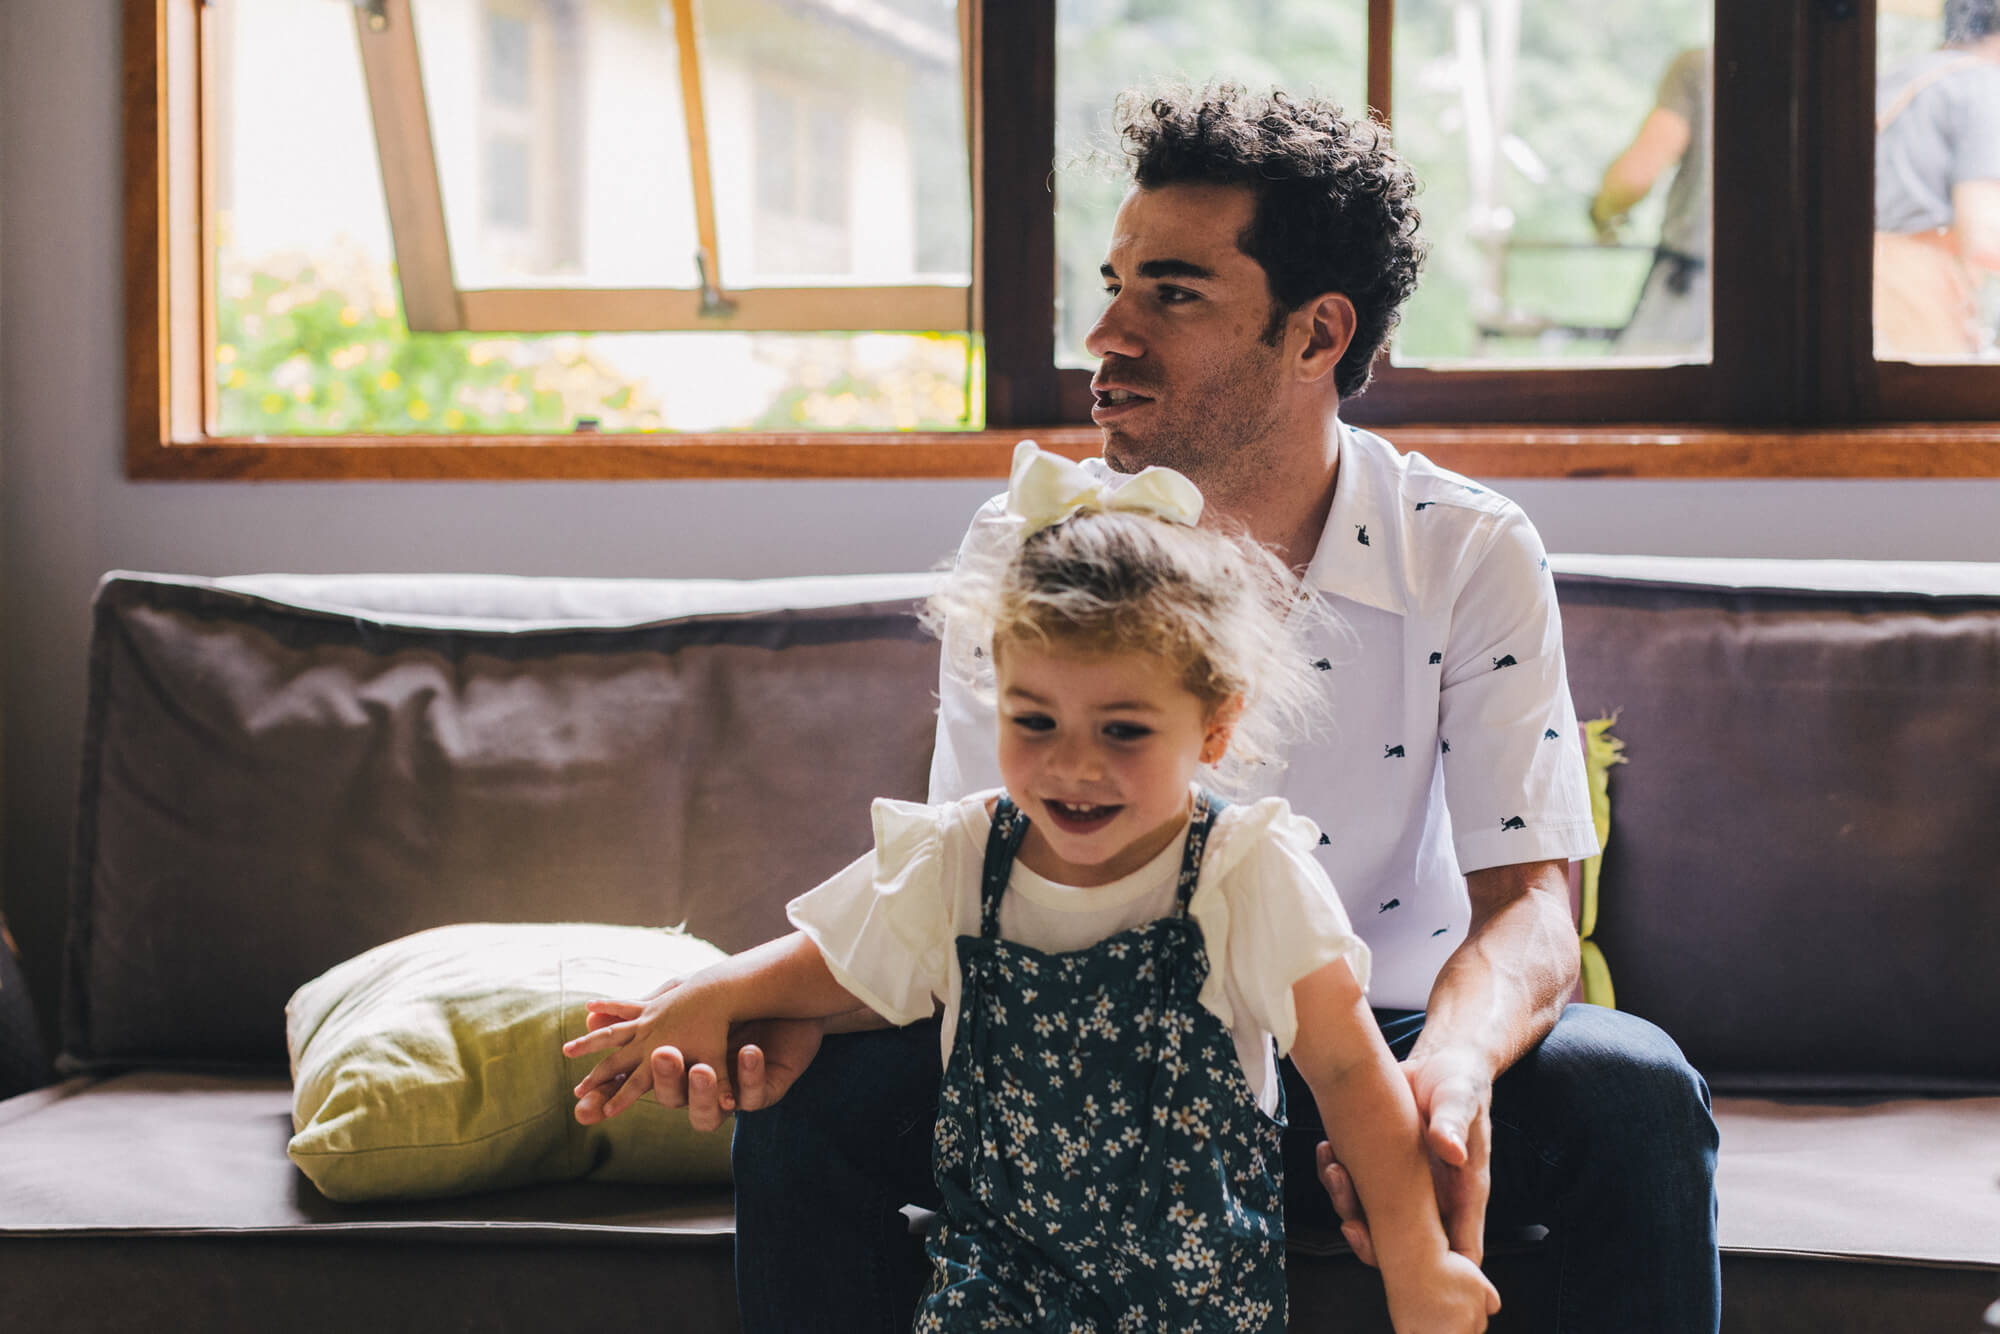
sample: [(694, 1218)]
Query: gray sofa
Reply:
[(1802, 886)]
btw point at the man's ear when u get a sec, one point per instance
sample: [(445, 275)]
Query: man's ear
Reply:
[(1221, 726), (1328, 322)]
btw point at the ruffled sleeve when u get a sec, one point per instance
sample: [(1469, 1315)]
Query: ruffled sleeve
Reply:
[(884, 923), (1269, 916)]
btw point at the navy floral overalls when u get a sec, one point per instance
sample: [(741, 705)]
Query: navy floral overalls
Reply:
[(1104, 1164)]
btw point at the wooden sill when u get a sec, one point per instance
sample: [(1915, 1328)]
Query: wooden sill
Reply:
[(1936, 451)]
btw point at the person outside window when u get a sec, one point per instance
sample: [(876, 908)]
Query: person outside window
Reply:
[(1672, 312), (1937, 192)]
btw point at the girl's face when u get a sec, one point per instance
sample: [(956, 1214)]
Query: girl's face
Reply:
[(1098, 750)]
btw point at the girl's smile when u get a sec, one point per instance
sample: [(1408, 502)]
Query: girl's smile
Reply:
[(1099, 750)]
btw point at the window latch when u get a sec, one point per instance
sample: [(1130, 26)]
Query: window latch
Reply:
[(713, 302)]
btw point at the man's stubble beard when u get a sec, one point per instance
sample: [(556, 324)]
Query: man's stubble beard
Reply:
[(1225, 439)]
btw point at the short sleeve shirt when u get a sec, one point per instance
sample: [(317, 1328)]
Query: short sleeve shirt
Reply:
[(887, 924), (1947, 134), (1453, 745)]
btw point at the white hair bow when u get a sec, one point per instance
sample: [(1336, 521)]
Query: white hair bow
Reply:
[(1044, 489)]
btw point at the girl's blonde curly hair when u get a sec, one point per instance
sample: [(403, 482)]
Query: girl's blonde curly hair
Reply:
[(1217, 605)]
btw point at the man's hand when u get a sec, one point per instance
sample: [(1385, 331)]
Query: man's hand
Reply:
[(767, 1056), (1603, 222), (1454, 1098)]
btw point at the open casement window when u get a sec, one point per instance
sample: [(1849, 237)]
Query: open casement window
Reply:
[(574, 202), (529, 89)]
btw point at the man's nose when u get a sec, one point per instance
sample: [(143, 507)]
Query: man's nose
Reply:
[(1113, 334)]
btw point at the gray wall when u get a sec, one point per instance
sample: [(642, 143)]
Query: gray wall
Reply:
[(67, 514)]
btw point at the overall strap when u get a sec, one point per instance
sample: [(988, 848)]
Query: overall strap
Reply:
[(1200, 824), (1009, 828)]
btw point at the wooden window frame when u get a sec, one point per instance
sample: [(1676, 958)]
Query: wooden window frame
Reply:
[(1824, 409)]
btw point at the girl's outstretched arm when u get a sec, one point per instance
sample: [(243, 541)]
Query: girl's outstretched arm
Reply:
[(1371, 1121), (785, 978)]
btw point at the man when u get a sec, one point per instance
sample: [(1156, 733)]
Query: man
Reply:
[(1255, 270), (1937, 192)]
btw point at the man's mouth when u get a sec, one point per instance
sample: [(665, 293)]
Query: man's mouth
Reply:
[(1110, 401)]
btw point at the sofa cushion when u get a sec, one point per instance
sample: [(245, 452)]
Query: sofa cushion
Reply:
[(155, 1152), (280, 774), (432, 1065), (1910, 1181), (1800, 890)]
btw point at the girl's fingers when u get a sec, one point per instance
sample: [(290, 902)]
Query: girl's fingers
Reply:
[(637, 1081), (604, 1013), (599, 1039), (604, 1077)]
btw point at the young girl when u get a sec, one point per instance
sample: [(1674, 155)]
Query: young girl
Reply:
[(1115, 948)]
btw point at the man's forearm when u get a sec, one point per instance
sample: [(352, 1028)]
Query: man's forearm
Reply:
[(1502, 990)]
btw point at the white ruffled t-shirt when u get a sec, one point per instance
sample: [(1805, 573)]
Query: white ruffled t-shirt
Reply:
[(887, 923)]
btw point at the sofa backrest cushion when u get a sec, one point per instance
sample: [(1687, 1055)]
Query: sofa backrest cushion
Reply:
[(1799, 884), (280, 774)]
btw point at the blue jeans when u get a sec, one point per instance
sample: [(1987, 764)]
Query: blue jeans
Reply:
[(1602, 1135)]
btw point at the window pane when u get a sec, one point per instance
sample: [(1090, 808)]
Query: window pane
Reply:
[(310, 334), (1937, 182), (573, 107), (1565, 169), (1105, 46), (809, 108), (853, 116)]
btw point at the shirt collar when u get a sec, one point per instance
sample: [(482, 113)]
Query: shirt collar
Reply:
[(1360, 551)]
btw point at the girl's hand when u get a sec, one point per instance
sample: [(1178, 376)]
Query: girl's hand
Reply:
[(1448, 1296), (675, 1019)]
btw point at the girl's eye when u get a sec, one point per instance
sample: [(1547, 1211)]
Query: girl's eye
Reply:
[(1127, 731), (1034, 722)]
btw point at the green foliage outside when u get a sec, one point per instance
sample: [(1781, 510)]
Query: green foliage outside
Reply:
[(309, 346)]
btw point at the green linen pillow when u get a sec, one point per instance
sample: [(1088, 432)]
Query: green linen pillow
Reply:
[(432, 1065)]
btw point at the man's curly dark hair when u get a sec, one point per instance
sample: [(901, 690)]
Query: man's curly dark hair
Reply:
[(1336, 207)]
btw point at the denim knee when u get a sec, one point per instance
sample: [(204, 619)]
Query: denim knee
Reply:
[(1619, 1087)]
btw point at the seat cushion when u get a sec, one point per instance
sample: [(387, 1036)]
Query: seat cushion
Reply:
[(1908, 1180), (1911, 1181), (155, 1152)]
